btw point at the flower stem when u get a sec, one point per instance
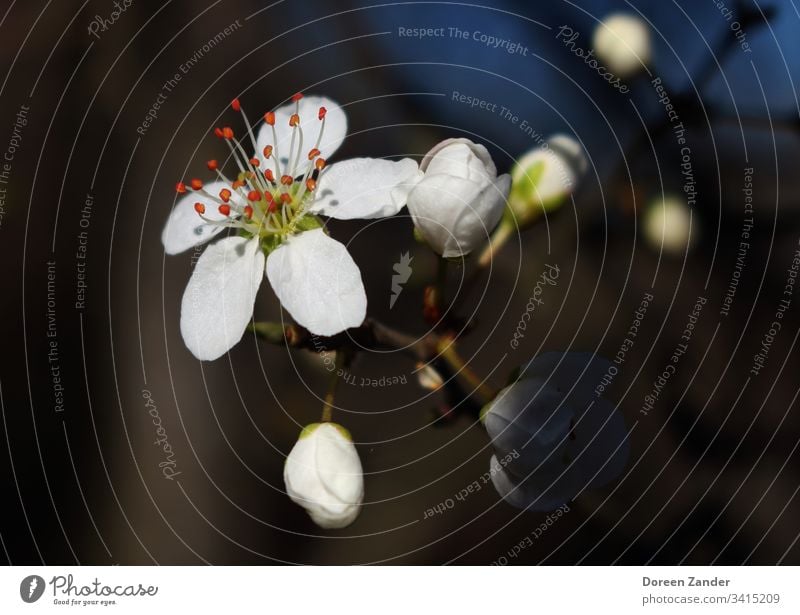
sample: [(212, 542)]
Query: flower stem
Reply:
[(447, 351), (441, 281), (504, 231), (501, 234), (330, 395)]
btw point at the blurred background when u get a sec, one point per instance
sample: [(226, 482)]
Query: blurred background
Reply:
[(90, 302)]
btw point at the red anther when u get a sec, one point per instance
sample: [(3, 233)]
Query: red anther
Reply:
[(254, 195), (225, 210), (255, 162), (272, 207), (287, 180), (269, 118), (248, 212), (294, 120), (218, 132), (180, 187), (268, 151), (212, 165), (225, 194), (286, 197), (313, 153), (322, 112), (238, 183), (196, 184), (320, 164), (268, 196), (311, 183), (235, 105), (200, 208), (297, 97), (227, 132), (269, 175)]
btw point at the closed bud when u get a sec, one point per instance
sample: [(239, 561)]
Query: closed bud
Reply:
[(622, 42), (544, 178), (668, 225), (323, 475), (460, 198)]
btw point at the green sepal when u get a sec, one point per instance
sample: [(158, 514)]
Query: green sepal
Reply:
[(524, 188), (484, 411), (309, 222), (273, 332), (309, 429), (525, 205), (270, 243)]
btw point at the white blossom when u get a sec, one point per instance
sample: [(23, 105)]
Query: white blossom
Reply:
[(273, 205)]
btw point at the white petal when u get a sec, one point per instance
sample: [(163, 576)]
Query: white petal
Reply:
[(484, 213), (339, 466), (318, 283), (323, 474), (437, 203), (455, 215), (335, 130), (477, 150), (459, 160), (218, 301), (365, 188), (185, 228), (571, 150)]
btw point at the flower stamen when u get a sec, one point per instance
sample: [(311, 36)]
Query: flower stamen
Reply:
[(272, 202)]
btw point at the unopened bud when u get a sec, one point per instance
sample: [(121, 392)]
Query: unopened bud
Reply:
[(668, 225), (544, 178), (323, 474), (622, 42)]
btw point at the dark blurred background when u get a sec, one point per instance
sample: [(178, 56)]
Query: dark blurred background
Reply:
[(713, 474)]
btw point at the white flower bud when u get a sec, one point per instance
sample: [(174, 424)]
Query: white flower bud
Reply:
[(622, 42), (460, 198), (544, 177), (323, 475), (668, 225)]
